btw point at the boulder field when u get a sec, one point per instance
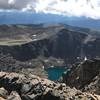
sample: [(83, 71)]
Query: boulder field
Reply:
[(14, 86)]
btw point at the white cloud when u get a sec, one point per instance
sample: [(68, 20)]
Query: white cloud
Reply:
[(11, 1), (88, 8)]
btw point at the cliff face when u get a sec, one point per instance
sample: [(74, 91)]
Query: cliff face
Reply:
[(59, 41)]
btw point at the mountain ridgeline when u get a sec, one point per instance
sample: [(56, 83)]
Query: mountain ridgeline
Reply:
[(26, 42)]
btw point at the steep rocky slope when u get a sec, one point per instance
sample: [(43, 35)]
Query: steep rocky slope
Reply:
[(15, 86), (85, 76)]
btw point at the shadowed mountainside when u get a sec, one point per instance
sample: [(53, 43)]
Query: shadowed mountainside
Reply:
[(25, 42), (84, 76)]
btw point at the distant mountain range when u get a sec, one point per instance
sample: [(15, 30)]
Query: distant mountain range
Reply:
[(25, 42), (37, 18)]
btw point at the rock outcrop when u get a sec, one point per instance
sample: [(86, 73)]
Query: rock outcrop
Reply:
[(84, 76), (15, 86), (94, 86)]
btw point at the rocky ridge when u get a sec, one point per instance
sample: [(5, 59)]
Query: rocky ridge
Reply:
[(15, 86), (85, 76)]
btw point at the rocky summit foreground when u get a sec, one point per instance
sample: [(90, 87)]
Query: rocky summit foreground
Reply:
[(14, 86)]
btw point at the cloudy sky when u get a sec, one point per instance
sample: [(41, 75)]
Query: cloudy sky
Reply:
[(87, 8)]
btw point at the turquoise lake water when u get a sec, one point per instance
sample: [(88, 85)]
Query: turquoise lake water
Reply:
[(55, 73)]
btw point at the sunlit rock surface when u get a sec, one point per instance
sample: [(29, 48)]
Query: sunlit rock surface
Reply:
[(16, 86)]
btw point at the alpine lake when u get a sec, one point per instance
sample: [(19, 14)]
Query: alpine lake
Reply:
[(54, 73)]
